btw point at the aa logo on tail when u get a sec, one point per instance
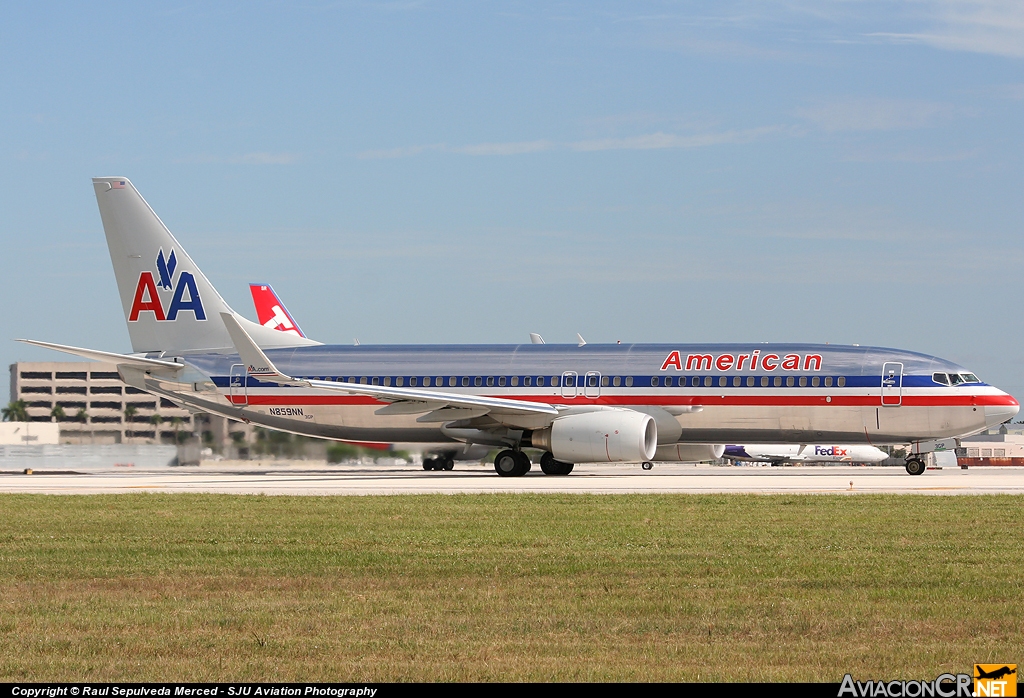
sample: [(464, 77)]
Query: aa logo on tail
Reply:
[(148, 298)]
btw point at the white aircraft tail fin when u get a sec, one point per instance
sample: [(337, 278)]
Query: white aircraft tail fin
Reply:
[(168, 303)]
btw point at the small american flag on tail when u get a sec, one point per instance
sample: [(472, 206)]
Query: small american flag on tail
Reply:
[(118, 185)]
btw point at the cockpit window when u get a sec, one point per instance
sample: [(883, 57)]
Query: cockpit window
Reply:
[(940, 378), (969, 378), (955, 379)]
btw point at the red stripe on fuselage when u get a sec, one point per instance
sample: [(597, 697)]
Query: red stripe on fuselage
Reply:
[(666, 400)]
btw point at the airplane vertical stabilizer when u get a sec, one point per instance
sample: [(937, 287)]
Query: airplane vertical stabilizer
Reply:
[(168, 302)]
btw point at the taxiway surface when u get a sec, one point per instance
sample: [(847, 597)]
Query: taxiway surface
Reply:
[(322, 479)]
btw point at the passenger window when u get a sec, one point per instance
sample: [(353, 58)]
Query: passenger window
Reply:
[(629, 381), (501, 380), (778, 381), (465, 381), (764, 381), (790, 381), (654, 381), (815, 381), (387, 380), (540, 380), (604, 381), (828, 381), (478, 381), (617, 381), (528, 380), (412, 381), (750, 381), (515, 380), (362, 380), (490, 380), (841, 381), (451, 381), (803, 381)]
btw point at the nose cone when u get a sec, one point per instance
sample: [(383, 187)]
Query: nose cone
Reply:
[(997, 414)]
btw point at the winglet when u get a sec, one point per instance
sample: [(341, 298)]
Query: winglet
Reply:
[(582, 342), (536, 338), (257, 364)]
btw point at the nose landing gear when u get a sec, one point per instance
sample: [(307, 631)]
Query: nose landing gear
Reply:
[(550, 466)]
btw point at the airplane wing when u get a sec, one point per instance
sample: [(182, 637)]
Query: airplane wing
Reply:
[(438, 406), (106, 356)]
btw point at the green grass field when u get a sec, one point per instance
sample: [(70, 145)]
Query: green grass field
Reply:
[(507, 587)]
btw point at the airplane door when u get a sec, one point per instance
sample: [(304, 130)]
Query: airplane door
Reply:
[(569, 384), (237, 389), (592, 385), (892, 384)]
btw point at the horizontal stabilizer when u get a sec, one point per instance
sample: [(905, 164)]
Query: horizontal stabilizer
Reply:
[(106, 356)]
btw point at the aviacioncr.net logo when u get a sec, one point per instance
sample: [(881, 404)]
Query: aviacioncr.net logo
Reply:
[(944, 686), (183, 292)]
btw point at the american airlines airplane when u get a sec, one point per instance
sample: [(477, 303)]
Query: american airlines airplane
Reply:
[(577, 404), (777, 454)]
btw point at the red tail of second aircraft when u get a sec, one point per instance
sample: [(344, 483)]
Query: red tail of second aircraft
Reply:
[(271, 311)]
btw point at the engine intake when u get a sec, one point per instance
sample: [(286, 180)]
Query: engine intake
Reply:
[(606, 436)]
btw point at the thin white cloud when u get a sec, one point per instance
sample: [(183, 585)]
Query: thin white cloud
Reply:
[(912, 156), (504, 148), (660, 141), (979, 26), (874, 114), (258, 158), (650, 141)]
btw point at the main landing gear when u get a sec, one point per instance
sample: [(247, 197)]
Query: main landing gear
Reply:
[(439, 463), (511, 463), (915, 466), (647, 465)]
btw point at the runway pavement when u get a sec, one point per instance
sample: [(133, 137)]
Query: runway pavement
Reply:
[(321, 479)]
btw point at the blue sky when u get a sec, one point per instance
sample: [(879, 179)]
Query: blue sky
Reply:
[(848, 172)]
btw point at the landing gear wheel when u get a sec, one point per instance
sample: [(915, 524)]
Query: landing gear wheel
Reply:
[(647, 465), (915, 466), (511, 463), (550, 466), (428, 463), (448, 463)]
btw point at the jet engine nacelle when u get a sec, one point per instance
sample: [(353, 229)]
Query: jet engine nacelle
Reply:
[(689, 453), (606, 436)]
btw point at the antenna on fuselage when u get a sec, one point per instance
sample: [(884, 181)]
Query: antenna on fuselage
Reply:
[(536, 338), (582, 341)]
